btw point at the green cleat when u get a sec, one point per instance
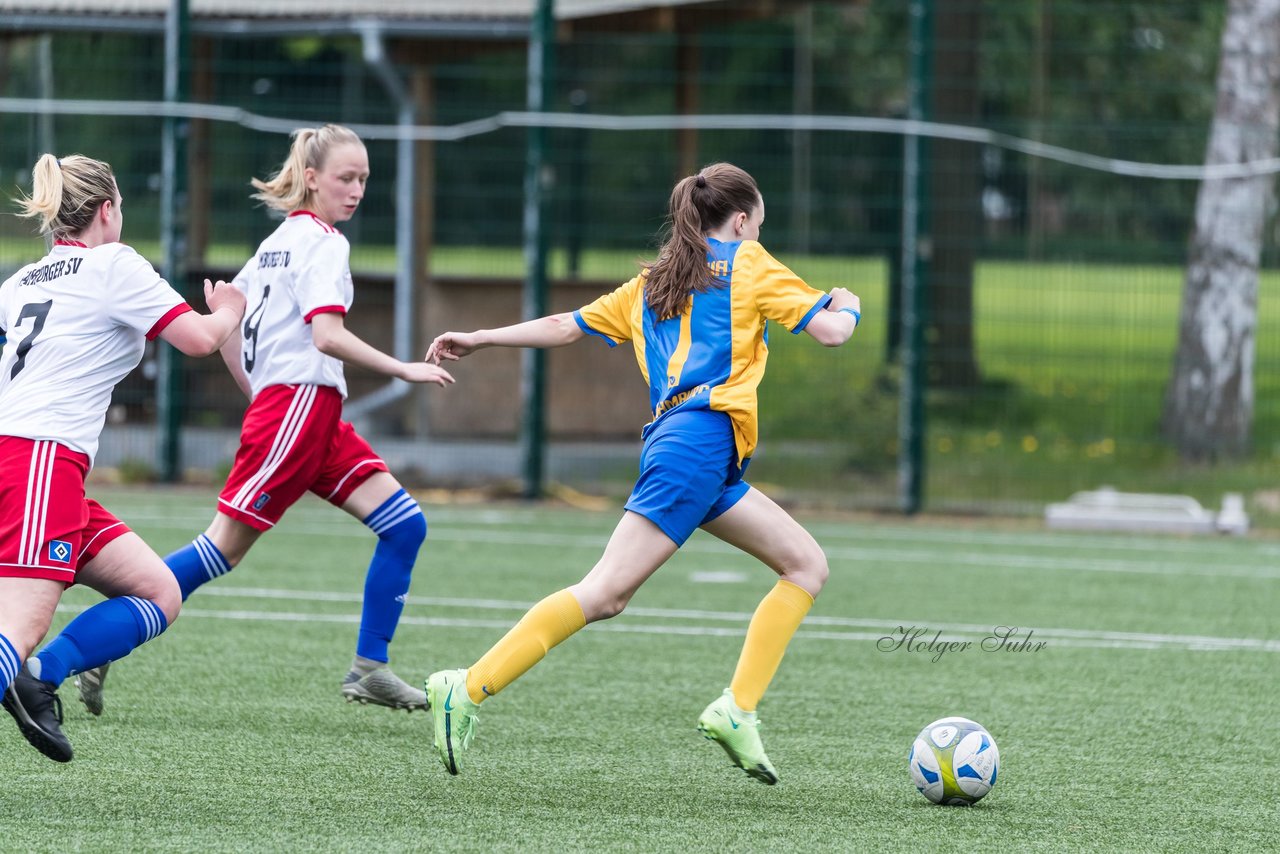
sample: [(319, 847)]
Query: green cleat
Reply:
[(738, 733), (454, 714)]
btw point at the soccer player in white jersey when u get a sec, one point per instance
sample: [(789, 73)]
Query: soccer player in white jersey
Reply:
[(288, 359), (74, 324)]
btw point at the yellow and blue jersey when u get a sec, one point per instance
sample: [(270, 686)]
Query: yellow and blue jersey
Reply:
[(711, 356)]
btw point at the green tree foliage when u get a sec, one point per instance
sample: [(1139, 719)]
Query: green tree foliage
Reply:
[(1131, 80)]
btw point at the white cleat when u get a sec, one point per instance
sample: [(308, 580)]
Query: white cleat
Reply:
[(89, 685), (381, 687)]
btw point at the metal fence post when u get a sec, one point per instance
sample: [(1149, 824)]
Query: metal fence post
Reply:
[(173, 231), (915, 255), (533, 363)]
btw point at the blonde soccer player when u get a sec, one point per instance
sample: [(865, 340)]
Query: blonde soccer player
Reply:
[(288, 359), (74, 324), (696, 318)]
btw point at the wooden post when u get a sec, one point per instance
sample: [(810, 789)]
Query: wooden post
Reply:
[(199, 165), (688, 63), (422, 89)]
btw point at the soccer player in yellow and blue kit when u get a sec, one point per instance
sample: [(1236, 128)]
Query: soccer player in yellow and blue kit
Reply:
[(697, 321)]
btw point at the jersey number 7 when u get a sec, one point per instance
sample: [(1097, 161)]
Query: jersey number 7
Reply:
[(39, 311)]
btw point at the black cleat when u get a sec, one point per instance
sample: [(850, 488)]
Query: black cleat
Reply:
[(38, 711)]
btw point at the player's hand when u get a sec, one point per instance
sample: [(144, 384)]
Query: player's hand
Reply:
[(424, 372), (844, 298), (222, 295), (451, 346)]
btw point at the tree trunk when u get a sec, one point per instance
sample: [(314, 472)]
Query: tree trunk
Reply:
[(1209, 402), (955, 197)]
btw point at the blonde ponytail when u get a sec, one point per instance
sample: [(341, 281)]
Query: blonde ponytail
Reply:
[(286, 190), (66, 194)]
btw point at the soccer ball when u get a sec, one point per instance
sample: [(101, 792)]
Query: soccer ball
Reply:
[(954, 761)]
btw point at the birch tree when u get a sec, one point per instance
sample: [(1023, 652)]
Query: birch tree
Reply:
[(1209, 401)]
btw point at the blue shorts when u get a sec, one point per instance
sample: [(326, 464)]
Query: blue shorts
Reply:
[(689, 473)]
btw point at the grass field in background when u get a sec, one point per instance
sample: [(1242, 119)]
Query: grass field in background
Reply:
[(1074, 357), (1144, 724)]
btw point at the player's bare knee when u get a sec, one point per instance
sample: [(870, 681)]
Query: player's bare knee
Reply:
[(606, 608), (168, 598), (819, 573), (599, 604), (615, 606), (23, 640), (231, 539), (807, 568), (233, 556)]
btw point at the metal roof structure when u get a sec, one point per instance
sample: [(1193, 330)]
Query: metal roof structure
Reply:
[(334, 8), (409, 17)]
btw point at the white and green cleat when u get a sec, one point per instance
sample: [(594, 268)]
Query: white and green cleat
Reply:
[(454, 714), (738, 732)]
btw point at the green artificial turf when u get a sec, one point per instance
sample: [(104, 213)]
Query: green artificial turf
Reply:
[(1144, 723)]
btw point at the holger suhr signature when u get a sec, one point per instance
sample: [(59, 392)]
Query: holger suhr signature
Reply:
[(925, 640)]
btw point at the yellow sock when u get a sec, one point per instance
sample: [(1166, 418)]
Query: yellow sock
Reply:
[(545, 625), (775, 621)]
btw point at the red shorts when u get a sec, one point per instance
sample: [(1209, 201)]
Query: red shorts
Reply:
[(48, 529), (294, 440)]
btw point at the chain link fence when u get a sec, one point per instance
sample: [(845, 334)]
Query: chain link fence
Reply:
[(1053, 275)]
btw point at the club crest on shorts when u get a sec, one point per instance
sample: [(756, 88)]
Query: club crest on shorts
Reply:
[(261, 501), (60, 550)]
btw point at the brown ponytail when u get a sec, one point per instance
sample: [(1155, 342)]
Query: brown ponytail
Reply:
[(699, 203), (66, 194)]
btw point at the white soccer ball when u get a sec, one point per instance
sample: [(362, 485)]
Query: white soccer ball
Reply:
[(954, 761)]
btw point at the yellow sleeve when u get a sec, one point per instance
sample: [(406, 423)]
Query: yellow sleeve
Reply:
[(780, 295), (611, 316)]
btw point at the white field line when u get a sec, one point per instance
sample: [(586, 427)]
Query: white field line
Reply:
[(884, 628), (978, 559), (1219, 547), (1222, 548)]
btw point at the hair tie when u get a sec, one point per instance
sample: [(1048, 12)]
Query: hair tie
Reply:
[(700, 181), (59, 162)]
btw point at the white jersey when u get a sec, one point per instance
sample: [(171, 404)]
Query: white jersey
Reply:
[(300, 271), (75, 323)]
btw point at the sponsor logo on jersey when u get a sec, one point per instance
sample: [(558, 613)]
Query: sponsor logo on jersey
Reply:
[(673, 402), (60, 550), (261, 501)]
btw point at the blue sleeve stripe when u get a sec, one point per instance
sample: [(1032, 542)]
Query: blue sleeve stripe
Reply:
[(822, 303), (582, 324)]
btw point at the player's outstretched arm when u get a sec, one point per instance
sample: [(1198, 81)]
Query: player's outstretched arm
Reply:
[(204, 334), (555, 330), (332, 337), (834, 326)]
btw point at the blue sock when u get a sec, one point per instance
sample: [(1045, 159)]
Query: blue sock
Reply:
[(401, 528), (104, 633), (196, 563), (10, 664)]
